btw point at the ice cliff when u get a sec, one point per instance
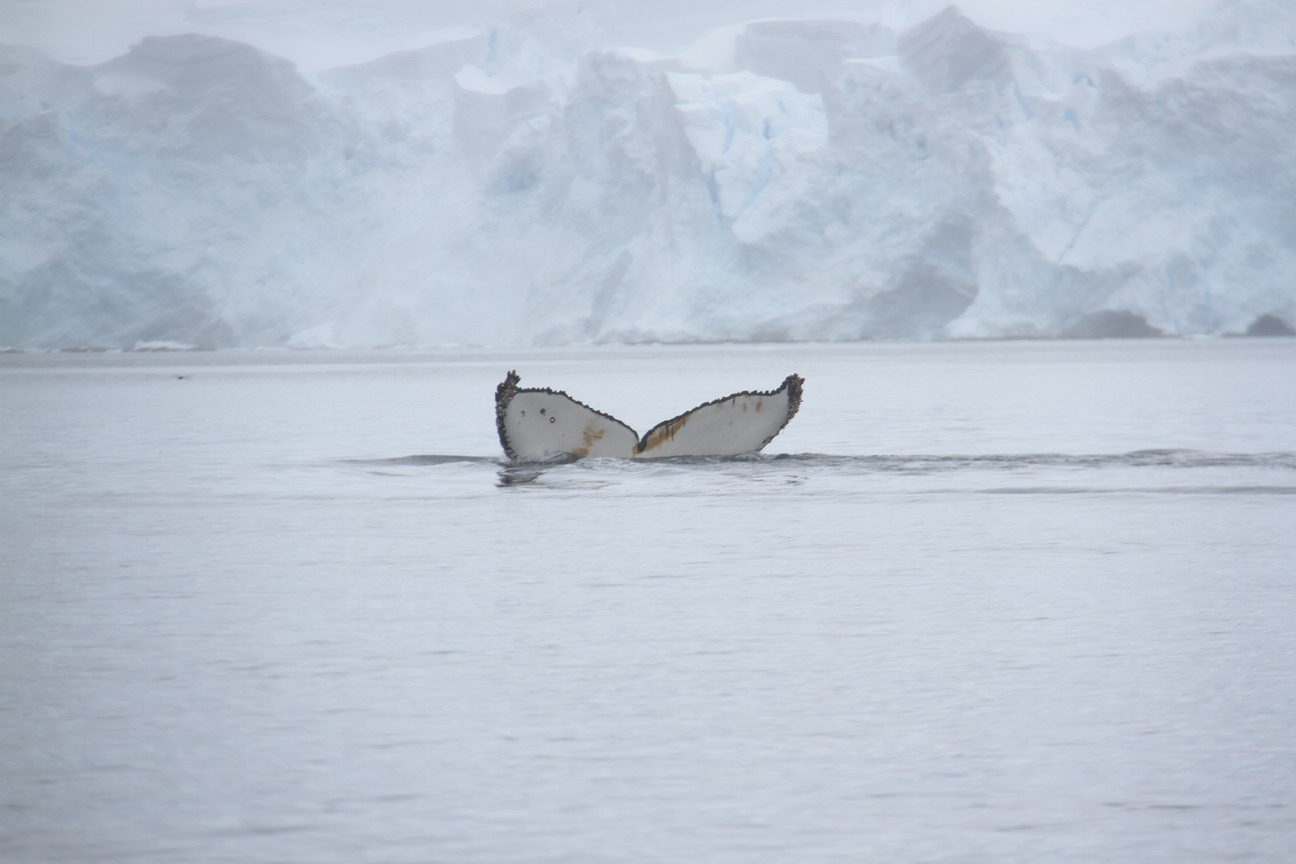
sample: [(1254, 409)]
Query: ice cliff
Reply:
[(775, 180)]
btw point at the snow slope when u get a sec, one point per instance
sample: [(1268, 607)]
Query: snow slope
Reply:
[(506, 174)]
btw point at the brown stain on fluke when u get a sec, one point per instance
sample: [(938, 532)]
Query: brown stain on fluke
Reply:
[(588, 439), (664, 433)]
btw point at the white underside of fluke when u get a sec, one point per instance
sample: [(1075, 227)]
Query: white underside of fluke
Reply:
[(538, 424)]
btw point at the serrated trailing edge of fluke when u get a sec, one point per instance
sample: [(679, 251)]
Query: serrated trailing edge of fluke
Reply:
[(503, 396)]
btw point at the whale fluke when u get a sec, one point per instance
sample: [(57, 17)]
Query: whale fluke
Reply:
[(539, 424)]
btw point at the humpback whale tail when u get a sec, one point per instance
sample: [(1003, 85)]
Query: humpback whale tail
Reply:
[(536, 423)]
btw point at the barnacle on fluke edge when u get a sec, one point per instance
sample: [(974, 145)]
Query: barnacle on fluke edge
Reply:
[(536, 423)]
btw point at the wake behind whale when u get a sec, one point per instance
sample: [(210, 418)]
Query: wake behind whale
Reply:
[(1177, 471)]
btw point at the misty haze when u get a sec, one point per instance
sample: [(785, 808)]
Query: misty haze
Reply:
[(1009, 579)]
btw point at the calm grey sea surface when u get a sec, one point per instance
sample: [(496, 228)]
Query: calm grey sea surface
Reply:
[(980, 602)]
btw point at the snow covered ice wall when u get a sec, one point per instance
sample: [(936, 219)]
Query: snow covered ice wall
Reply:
[(779, 180)]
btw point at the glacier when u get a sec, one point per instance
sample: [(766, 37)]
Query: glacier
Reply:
[(531, 174)]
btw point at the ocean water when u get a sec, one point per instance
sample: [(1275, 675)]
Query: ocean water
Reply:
[(1008, 602)]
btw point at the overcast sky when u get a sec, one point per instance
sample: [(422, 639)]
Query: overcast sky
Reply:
[(321, 33)]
